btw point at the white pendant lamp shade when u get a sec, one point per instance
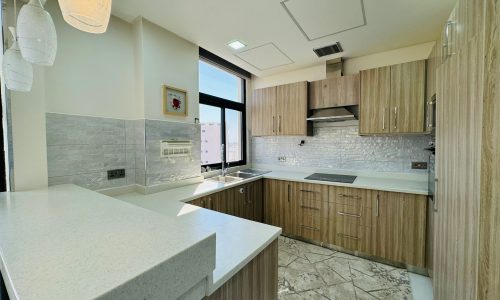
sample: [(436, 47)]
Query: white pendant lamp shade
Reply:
[(36, 34), (17, 72), (87, 15)]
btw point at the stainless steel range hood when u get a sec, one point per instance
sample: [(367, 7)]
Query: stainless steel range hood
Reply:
[(334, 114)]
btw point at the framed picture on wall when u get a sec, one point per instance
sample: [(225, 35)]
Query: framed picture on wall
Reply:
[(175, 101)]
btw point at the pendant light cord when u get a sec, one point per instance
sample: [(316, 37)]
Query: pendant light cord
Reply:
[(15, 13)]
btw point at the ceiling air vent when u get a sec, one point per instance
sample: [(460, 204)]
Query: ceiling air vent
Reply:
[(328, 50)]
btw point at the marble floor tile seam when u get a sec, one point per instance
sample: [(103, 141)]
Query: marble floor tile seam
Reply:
[(391, 284)]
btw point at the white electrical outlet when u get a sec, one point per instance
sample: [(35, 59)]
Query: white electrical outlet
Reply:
[(282, 158)]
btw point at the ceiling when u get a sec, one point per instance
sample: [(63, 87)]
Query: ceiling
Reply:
[(281, 34)]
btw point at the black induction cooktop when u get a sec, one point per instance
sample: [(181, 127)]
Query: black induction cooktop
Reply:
[(332, 177)]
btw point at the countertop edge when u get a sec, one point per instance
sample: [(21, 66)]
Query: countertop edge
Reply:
[(221, 281)]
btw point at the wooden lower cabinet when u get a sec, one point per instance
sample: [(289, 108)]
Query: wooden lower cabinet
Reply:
[(309, 209), (277, 205), (391, 226), (399, 228), (205, 202), (257, 280), (350, 218), (254, 207), (244, 201)]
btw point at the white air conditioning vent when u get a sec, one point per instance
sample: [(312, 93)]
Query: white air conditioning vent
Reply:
[(176, 148)]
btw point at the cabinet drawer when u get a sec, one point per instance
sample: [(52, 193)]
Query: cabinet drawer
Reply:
[(350, 196), (357, 214), (309, 192), (309, 220), (352, 237), (309, 229)]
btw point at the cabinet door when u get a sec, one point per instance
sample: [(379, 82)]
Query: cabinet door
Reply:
[(291, 109), (263, 110), (387, 231), (277, 208), (336, 91), (399, 228), (350, 90), (326, 93), (317, 95), (408, 97), (254, 201), (375, 100), (414, 229), (231, 201), (205, 202)]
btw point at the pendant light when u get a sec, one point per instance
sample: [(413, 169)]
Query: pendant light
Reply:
[(17, 72), (87, 15), (36, 34)]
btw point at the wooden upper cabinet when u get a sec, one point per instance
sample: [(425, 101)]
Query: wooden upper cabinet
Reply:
[(333, 92), (408, 97), (291, 109), (263, 110), (280, 110), (393, 99), (375, 101)]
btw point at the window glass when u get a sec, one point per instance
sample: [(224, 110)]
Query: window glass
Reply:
[(234, 147), (210, 121), (217, 82)]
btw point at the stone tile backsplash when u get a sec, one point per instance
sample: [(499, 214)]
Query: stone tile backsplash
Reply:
[(82, 149), (341, 148), (161, 170)]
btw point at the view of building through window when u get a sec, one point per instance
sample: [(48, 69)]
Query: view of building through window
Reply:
[(224, 86)]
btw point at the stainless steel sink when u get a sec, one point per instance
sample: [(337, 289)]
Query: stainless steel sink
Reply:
[(241, 175), (225, 179)]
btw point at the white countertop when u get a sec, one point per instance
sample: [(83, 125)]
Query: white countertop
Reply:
[(238, 240), (66, 242), (389, 183)]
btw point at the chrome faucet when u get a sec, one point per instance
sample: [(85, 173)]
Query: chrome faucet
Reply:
[(222, 158)]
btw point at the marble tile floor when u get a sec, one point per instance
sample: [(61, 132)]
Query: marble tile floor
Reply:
[(308, 271)]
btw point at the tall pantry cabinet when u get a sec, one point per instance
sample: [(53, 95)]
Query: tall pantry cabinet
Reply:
[(466, 253)]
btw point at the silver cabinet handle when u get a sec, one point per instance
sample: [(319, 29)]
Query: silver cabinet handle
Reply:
[(448, 39), (274, 125), (309, 191), (242, 190), (348, 236), (395, 117), (383, 119), (348, 215), (349, 196), (377, 212), (309, 227), (279, 123), (289, 192), (309, 207), (435, 197)]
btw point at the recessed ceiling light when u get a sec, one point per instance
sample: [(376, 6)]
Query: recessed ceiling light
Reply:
[(236, 45)]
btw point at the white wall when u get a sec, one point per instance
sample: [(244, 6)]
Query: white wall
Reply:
[(313, 73), (93, 74), (117, 74), (351, 65), (28, 136), (392, 57), (171, 60)]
